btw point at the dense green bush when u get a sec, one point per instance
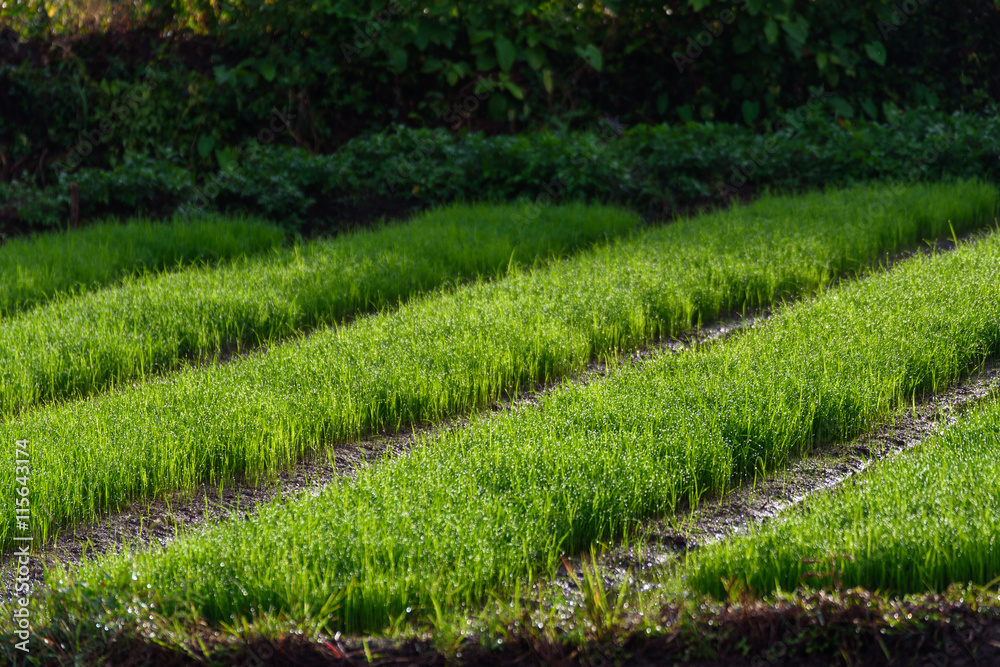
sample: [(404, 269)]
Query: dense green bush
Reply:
[(657, 169), (200, 77), (139, 185)]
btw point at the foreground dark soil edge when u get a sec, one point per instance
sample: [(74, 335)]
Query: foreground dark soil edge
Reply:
[(846, 628)]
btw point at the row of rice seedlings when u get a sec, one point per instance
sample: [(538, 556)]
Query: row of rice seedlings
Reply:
[(35, 269), (451, 351), (918, 522), (483, 508), (146, 326)]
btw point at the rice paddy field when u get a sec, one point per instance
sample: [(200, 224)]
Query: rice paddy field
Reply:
[(924, 520), (501, 535), (152, 323), (43, 268)]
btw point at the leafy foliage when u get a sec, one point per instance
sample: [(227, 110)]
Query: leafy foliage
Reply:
[(340, 67), (657, 169)]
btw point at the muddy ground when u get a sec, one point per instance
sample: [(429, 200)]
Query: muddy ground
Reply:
[(854, 628)]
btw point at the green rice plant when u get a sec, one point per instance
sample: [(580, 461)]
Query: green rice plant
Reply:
[(151, 324), (478, 510), (37, 269), (439, 355), (917, 522)]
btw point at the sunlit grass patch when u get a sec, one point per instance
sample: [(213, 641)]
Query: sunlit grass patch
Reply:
[(148, 325), (485, 508), (922, 521), (37, 269)]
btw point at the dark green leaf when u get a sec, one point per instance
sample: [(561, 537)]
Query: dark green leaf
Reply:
[(771, 31), (206, 143), (506, 53), (876, 51), (592, 55)]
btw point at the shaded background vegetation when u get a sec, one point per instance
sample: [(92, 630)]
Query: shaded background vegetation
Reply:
[(225, 65), (151, 104)]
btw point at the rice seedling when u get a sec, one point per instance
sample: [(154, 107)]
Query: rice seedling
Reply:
[(450, 351), (918, 522), (482, 508), (89, 343), (37, 269)]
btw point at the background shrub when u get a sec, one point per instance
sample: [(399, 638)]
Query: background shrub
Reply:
[(198, 78), (657, 169)]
